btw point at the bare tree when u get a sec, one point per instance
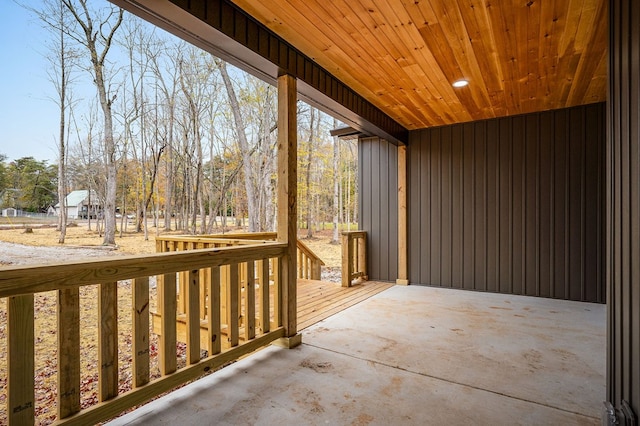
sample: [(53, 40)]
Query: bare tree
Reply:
[(336, 194), (166, 77), (310, 142), (96, 30), (245, 151), (62, 58)]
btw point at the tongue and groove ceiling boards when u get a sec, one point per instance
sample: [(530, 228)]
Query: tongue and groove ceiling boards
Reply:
[(519, 56)]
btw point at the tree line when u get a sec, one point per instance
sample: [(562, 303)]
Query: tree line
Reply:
[(173, 134)]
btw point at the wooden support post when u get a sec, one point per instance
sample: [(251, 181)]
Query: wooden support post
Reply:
[(347, 261), (362, 257), (140, 348), (68, 352), (287, 201), (168, 304), (108, 341), (403, 270), (20, 361)]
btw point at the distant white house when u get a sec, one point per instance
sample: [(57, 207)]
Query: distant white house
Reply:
[(9, 212), (80, 204)]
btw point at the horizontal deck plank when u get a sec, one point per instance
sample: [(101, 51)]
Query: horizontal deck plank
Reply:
[(319, 300)]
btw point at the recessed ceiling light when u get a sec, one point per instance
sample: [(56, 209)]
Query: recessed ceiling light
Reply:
[(460, 83)]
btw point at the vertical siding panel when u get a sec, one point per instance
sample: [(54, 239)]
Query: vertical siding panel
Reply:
[(415, 201), (426, 209), (479, 195), (436, 208), (457, 260), (633, 305), (560, 206), (366, 186), (505, 226), (591, 210), (374, 233), (618, 137), (446, 215), (383, 244), (469, 212), (378, 205), (518, 171), (575, 204), (492, 186), (392, 274), (546, 232), (531, 209)]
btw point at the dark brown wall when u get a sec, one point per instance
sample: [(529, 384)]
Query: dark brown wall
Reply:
[(378, 178), (511, 205), (623, 212)]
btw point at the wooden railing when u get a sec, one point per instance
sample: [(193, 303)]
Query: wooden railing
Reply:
[(309, 264), (259, 303), (354, 257)]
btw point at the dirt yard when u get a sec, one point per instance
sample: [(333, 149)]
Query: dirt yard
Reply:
[(18, 247)]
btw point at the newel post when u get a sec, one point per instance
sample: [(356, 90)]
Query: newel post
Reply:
[(287, 204)]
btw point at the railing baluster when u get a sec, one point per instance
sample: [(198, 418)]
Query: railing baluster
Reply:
[(233, 296), (224, 297), (140, 356), (250, 302), (183, 279), (277, 291), (204, 284), (362, 256), (192, 299), (108, 341), (20, 360), (263, 272), (68, 352), (214, 339), (168, 304)]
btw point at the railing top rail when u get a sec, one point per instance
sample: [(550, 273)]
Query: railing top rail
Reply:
[(20, 280), (307, 251), (206, 240), (354, 233), (240, 238), (269, 236)]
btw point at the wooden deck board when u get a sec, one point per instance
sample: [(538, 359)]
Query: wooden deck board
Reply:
[(319, 300)]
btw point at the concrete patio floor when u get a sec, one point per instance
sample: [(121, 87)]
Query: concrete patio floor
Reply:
[(413, 355)]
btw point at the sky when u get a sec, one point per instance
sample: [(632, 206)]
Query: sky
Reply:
[(28, 116)]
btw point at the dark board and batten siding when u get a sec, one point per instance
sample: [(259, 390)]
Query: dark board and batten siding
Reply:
[(623, 201), (378, 208), (511, 205)]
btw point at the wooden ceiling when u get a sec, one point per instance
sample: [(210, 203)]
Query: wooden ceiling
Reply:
[(519, 56)]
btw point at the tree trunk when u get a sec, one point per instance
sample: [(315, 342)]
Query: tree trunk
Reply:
[(254, 223), (308, 171), (84, 20), (62, 187), (336, 194)]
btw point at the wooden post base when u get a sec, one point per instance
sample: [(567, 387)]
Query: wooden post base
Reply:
[(288, 342), (402, 282)]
